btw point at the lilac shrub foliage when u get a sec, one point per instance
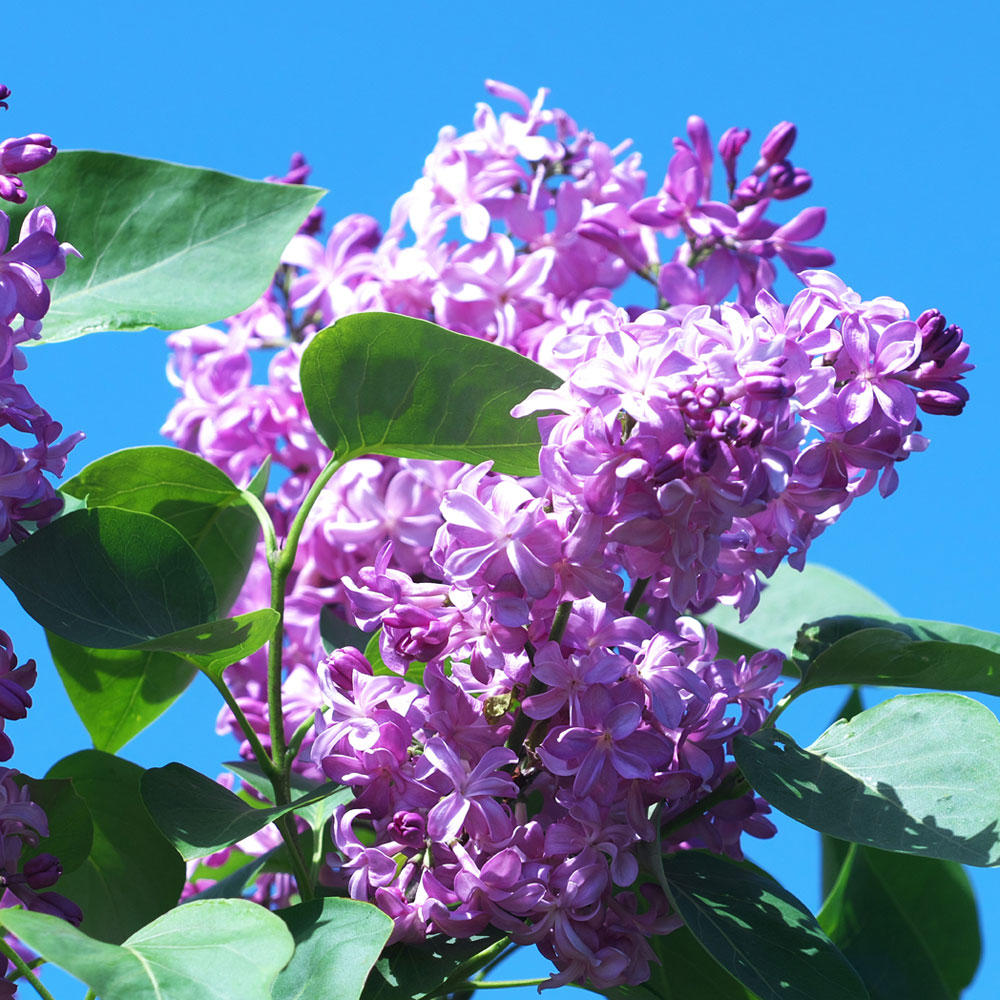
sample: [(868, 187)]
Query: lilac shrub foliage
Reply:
[(27, 499), (544, 706)]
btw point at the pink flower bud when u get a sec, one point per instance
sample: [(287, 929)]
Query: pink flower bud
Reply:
[(18, 156), (776, 146)]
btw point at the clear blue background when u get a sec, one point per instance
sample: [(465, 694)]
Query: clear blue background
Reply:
[(896, 106)]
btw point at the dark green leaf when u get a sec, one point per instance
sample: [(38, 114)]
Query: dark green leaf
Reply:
[(187, 492), (221, 949), (789, 599), (379, 383), (198, 816), (214, 646), (757, 930), (109, 578), (685, 972), (908, 925), (918, 773), (151, 237), (336, 941), (71, 832), (131, 874), (335, 633), (414, 971), (898, 652), (118, 692)]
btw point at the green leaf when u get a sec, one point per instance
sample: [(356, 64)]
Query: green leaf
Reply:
[(683, 973), (198, 816), (379, 383), (131, 873), (109, 578), (230, 884), (214, 646), (315, 813), (898, 652), (414, 971), (335, 633), (336, 941), (918, 773), (153, 234), (258, 485), (191, 495), (222, 949), (71, 831), (757, 930), (118, 692), (908, 925), (789, 599)]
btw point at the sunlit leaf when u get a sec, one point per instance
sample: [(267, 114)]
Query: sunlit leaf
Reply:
[(380, 383), (150, 232), (918, 773)]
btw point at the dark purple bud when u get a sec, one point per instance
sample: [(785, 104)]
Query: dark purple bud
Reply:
[(939, 341), (14, 700), (407, 828), (57, 905), (786, 181), (4, 94), (948, 402), (18, 156), (298, 171), (313, 223), (342, 663), (42, 871), (776, 146)]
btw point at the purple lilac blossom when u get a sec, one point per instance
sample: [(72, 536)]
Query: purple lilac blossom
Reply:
[(510, 779)]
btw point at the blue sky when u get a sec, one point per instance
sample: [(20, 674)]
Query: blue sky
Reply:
[(896, 108)]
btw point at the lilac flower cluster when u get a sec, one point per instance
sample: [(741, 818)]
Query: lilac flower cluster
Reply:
[(27, 498), (557, 723)]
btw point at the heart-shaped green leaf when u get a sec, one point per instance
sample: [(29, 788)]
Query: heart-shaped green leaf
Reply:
[(187, 492), (110, 578), (379, 383), (220, 949), (71, 831), (918, 773), (153, 235), (131, 873)]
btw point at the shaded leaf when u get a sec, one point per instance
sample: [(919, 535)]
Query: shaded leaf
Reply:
[(757, 930), (198, 816), (898, 652), (335, 633), (917, 773), (414, 971), (222, 949), (71, 832), (336, 941), (790, 599), (151, 237), (213, 646), (131, 873), (109, 578), (230, 884), (373, 654), (908, 925), (187, 492), (380, 383)]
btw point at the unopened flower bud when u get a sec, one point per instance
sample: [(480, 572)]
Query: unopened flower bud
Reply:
[(18, 156), (42, 871), (785, 181), (776, 146), (11, 189), (57, 905), (730, 146), (4, 94), (14, 700)]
